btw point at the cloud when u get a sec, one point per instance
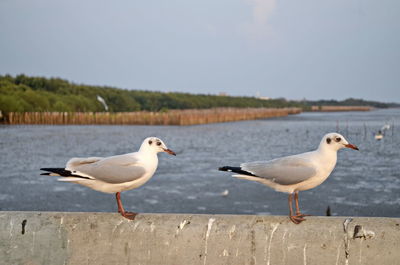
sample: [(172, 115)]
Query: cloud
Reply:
[(259, 27), (262, 10)]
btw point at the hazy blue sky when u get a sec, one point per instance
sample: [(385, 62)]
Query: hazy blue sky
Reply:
[(278, 48)]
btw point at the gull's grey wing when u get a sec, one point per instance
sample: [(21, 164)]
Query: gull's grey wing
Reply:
[(114, 169), (284, 171), (77, 161)]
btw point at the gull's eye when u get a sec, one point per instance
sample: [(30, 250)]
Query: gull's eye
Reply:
[(158, 143), (328, 140), (150, 142), (338, 139)]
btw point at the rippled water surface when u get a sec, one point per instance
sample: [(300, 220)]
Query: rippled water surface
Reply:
[(364, 183)]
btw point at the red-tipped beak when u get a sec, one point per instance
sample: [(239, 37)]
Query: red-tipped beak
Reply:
[(352, 146), (169, 151)]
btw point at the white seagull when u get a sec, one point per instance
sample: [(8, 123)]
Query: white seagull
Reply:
[(115, 173), (295, 173)]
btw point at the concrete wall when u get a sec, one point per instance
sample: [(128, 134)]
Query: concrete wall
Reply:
[(106, 238)]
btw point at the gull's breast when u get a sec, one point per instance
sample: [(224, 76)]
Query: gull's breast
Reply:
[(324, 169)]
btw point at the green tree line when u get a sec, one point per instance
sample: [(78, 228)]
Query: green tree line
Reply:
[(25, 94)]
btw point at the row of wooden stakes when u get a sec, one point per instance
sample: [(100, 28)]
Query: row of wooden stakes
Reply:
[(172, 117)]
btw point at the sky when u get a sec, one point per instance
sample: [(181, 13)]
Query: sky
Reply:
[(309, 49)]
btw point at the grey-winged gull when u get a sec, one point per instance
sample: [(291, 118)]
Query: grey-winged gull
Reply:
[(295, 173), (114, 174)]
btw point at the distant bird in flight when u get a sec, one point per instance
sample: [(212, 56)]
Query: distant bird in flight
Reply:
[(103, 102), (295, 173), (115, 173)]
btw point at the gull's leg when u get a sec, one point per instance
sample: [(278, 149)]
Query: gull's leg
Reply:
[(295, 219), (119, 203), (296, 200), (121, 210)]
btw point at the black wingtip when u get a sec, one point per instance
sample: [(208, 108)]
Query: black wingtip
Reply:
[(223, 168), (48, 169), (57, 170), (229, 169), (235, 170), (61, 172)]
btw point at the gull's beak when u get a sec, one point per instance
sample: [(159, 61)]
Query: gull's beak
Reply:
[(351, 146), (169, 151)]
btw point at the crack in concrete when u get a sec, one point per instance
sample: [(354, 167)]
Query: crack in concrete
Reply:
[(346, 223), (209, 226)]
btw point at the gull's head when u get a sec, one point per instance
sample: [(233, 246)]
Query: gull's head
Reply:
[(156, 145), (336, 141)]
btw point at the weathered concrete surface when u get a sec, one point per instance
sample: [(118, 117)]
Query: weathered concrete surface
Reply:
[(105, 238)]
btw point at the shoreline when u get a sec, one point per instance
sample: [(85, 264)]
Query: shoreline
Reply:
[(172, 117)]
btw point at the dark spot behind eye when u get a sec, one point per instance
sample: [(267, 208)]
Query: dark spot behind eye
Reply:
[(328, 140), (338, 139), (150, 141), (158, 143)]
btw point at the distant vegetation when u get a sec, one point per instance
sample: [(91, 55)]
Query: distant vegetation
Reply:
[(352, 102), (27, 94)]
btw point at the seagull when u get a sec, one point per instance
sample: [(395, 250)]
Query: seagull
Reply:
[(114, 174), (295, 173)]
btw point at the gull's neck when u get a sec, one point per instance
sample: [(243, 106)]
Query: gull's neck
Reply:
[(325, 149), (146, 150), (327, 156)]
